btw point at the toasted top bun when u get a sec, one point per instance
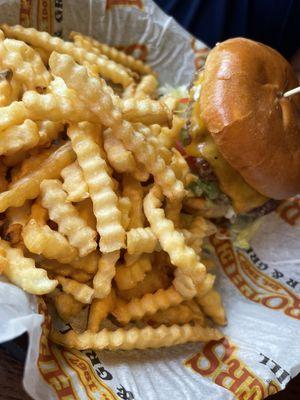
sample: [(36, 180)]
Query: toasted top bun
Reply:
[(256, 129)]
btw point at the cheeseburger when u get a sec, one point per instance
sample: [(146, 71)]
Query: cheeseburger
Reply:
[(243, 135)]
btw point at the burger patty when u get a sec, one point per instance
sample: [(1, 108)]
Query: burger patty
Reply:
[(204, 171), (265, 209), (202, 168)]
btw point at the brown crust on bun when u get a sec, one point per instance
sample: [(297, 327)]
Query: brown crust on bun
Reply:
[(256, 129)]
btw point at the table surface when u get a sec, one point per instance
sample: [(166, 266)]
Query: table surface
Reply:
[(11, 388)]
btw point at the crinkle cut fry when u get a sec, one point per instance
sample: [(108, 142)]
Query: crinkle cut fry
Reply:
[(10, 88), (141, 240), (162, 299), (65, 270), (127, 276), (211, 304), (32, 163), (28, 187), (99, 310), (41, 239), (145, 153), (135, 338), (74, 183), (3, 180), (118, 156), (146, 87), (13, 114), (147, 305), (66, 306), (69, 222), (94, 94), (80, 291), (22, 272), (153, 281), (105, 274), (180, 314), (66, 107), (152, 138), (101, 187), (135, 192), (85, 44), (16, 219), (26, 64), (168, 136), (125, 207), (107, 68), (49, 131), (171, 240), (88, 263), (85, 209), (19, 138), (114, 54), (173, 209), (145, 111)]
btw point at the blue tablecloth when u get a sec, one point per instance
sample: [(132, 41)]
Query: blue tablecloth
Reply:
[(273, 22)]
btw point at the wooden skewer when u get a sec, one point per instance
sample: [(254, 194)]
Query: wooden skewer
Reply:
[(292, 92)]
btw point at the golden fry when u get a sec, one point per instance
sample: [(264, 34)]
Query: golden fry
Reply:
[(112, 53), (149, 304), (119, 158), (3, 260), (134, 191), (172, 241), (105, 274), (19, 138), (29, 164), (127, 276), (211, 304), (67, 270), (173, 208), (22, 272), (60, 105), (146, 87), (125, 208), (181, 314), (66, 306), (99, 310), (101, 187), (80, 291), (13, 114), (85, 209), (141, 240), (28, 187), (134, 338), (10, 88), (26, 64), (74, 184), (76, 78), (49, 131), (146, 153), (41, 239), (145, 111), (153, 281), (88, 263), (17, 219), (107, 68), (168, 136), (79, 234)]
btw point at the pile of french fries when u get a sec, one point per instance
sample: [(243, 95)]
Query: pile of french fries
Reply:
[(92, 195)]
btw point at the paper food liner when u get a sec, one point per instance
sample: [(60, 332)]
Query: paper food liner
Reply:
[(260, 287)]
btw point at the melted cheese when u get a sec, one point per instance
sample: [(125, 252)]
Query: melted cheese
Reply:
[(244, 197)]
